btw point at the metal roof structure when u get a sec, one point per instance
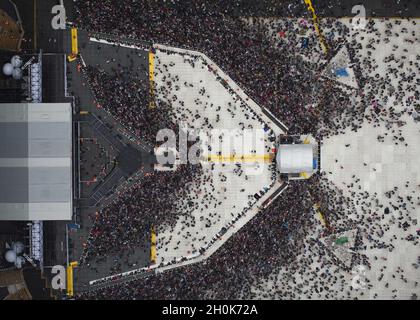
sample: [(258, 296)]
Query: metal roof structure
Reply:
[(295, 158), (35, 161)]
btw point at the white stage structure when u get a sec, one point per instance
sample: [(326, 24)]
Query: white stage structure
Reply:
[(296, 159)]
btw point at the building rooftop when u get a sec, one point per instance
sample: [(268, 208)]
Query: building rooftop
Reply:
[(35, 161)]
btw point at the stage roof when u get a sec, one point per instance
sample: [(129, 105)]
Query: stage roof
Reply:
[(295, 158), (35, 161)]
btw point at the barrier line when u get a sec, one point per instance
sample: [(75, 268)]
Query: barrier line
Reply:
[(315, 21), (152, 104)]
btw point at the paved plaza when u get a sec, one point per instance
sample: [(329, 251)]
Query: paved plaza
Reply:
[(366, 165), (376, 168), (226, 189)]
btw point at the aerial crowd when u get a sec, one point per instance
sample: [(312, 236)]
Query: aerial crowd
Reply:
[(283, 238)]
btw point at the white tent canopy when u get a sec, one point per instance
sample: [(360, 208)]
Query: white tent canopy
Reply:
[(295, 158)]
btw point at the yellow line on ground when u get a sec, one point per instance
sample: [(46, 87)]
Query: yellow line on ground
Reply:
[(315, 21), (71, 58), (74, 42), (152, 104), (320, 215), (70, 289), (74, 45), (241, 159), (153, 255), (304, 175)]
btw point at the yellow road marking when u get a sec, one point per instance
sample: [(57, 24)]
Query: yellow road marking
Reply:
[(71, 58), (153, 255), (241, 159), (304, 175), (74, 42), (315, 21), (74, 45), (320, 215), (70, 289), (152, 104)]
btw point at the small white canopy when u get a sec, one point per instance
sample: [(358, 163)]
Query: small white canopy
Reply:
[(295, 158)]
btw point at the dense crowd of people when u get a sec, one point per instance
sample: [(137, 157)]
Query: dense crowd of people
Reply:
[(266, 77), (126, 97), (274, 76), (284, 236), (129, 219)]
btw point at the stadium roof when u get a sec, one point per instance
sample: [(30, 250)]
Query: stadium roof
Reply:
[(35, 161)]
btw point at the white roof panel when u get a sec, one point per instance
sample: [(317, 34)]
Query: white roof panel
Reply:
[(295, 158)]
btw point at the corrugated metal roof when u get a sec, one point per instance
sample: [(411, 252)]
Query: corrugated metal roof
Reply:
[(35, 161)]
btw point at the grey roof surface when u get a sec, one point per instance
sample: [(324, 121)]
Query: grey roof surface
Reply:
[(35, 161)]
